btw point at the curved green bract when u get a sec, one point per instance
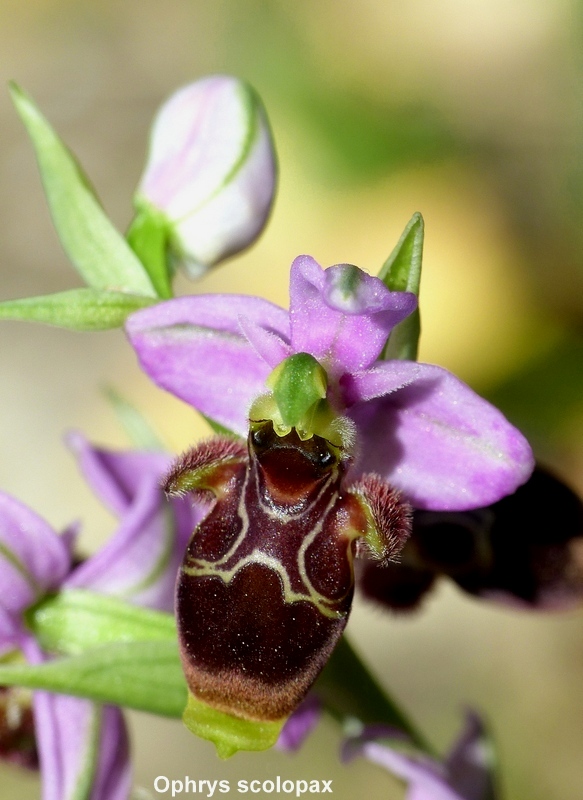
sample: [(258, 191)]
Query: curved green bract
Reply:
[(229, 734), (401, 272)]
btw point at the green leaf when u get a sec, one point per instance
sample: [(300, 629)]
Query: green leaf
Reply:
[(78, 309), (118, 653), (138, 429), (401, 272), (77, 620), (148, 236), (97, 250), (146, 676), (348, 690)]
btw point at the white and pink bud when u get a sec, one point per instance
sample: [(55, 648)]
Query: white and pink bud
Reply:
[(211, 171)]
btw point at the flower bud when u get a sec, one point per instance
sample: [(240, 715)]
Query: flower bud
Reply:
[(211, 171)]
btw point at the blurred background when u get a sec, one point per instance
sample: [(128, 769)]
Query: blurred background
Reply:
[(469, 112)]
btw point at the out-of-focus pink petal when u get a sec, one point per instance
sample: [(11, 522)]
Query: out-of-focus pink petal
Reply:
[(140, 562), (114, 774), (10, 632), (116, 475), (33, 558), (341, 315), (301, 723), (426, 778), (440, 443), (465, 774), (82, 746), (470, 764)]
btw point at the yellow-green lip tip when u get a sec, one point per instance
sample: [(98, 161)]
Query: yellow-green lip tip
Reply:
[(229, 734)]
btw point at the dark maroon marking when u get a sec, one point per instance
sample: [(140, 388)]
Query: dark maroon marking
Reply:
[(219, 530), (247, 651), (17, 738)]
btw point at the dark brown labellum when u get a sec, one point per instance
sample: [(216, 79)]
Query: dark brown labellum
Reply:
[(267, 581), (266, 585)]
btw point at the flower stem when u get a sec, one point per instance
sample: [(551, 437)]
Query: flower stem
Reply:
[(348, 689)]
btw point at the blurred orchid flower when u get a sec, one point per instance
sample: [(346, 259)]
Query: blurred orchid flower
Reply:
[(82, 745), (467, 773), (300, 724), (524, 550), (140, 562), (416, 425), (211, 171), (79, 743)]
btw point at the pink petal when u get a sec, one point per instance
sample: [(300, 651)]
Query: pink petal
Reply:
[(440, 443), (193, 347), (341, 315), (300, 724), (140, 562), (268, 346), (81, 745), (33, 558), (116, 476)]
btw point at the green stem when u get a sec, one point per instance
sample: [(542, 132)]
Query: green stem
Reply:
[(349, 690), (148, 238)]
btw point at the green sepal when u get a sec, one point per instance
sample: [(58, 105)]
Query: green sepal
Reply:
[(76, 309), (77, 620), (401, 272), (297, 385), (146, 676), (229, 734), (217, 428), (97, 250), (149, 236)]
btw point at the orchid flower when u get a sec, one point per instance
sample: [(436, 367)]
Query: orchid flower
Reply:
[(340, 442), (465, 774), (141, 561), (83, 747), (79, 743), (522, 551)]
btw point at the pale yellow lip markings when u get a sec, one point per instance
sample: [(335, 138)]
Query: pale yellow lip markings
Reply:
[(203, 568)]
